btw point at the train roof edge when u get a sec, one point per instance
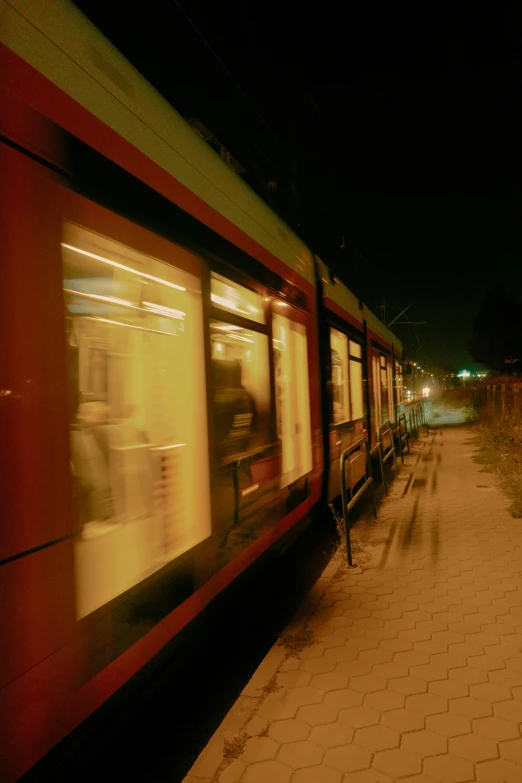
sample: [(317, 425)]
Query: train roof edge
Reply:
[(63, 45)]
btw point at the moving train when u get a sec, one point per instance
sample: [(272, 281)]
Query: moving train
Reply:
[(140, 475)]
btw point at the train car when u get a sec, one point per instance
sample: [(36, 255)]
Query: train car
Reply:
[(167, 397), (363, 371)]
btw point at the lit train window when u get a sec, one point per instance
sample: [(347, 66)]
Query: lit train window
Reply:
[(384, 377), (241, 383), (234, 298), (340, 382), (399, 383), (137, 408), (356, 381), (292, 398)]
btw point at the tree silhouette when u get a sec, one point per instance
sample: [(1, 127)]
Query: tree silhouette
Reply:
[(496, 340)]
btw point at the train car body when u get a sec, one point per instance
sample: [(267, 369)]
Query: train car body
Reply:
[(161, 403)]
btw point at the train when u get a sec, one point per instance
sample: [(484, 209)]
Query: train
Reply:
[(140, 475)]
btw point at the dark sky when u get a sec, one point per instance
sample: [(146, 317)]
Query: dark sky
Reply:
[(395, 127)]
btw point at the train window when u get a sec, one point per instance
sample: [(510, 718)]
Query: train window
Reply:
[(292, 398), (234, 298), (391, 406), (385, 413), (340, 384), (136, 380), (399, 382), (356, 381), (241, 381), (377, 397)]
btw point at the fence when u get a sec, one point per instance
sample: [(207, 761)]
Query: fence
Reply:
[(356, 461)]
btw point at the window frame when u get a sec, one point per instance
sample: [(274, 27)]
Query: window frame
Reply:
[(352, 335)]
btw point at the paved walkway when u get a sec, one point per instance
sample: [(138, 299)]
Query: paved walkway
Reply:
[(410, 668)]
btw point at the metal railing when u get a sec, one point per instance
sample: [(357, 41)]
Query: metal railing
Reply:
[(402, 435), (386, 450), (360, 478)]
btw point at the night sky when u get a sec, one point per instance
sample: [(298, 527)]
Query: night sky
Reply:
[(391, 136)]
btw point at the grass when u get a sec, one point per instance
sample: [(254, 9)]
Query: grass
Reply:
[(499, 438)]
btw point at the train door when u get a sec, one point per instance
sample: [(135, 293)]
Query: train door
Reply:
[(377, 398), (292, 390)]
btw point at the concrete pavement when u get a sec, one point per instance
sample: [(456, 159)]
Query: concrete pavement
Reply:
[(409, 668)]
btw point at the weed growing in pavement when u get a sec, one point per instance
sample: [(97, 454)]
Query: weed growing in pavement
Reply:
[(271, 686), (296, 643), (233, 748)]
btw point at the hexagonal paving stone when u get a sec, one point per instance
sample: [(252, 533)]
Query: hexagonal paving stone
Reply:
[(366, 776), (304, 695), (377, 738), (232, 773), (512, 751), (448, 725), (496, 728), (486, 662), (411, 658), (343, 698), (429, 672), (509, 710), (397, 763), (315, 714), (353, 668), (330, 681), (318, 665), (449, 769), (331, 735), (490, 691), (347, 758), (421, 779), (508, 677), (473, 747), (274, 771), (430, 647), (403, 720), (359, 717), (301, 754), (408, 685), (288, 730), (384, 700), (449, 689), (259, 749), (468, 675), (448, 660), (390, 670), (499, 771), (424, 743), (277, 710), (368, 683), (395, 645), (293, 679), (374, 657), (427, 704), (316, 774)]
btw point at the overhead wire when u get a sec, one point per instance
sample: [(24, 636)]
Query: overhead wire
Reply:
[(325, 206)]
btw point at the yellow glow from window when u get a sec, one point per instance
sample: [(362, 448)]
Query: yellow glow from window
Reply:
[(130, 326), (167, 312), (122, 266), (225, 327), (229, 304)]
